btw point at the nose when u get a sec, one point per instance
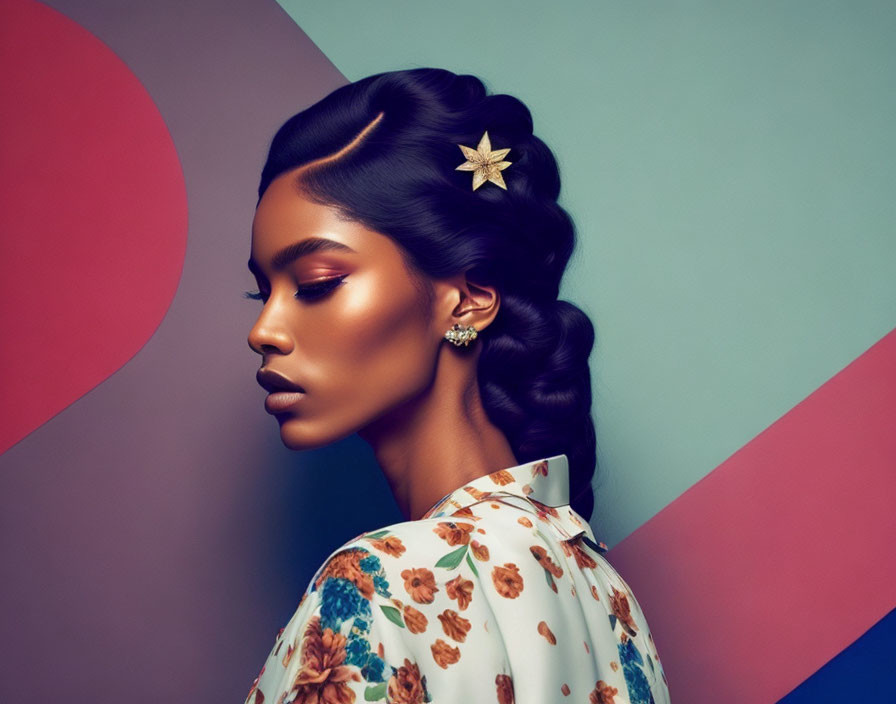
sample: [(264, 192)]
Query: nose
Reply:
[(269, 334)]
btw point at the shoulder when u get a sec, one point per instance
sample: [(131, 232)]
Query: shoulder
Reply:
[(478, 566), (467, 540)]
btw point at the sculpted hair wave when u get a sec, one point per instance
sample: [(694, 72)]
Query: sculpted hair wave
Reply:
[(383, 152)]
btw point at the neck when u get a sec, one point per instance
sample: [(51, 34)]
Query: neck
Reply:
[(438, 440)]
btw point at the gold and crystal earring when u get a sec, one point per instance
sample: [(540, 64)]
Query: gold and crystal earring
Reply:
[(461, 335)]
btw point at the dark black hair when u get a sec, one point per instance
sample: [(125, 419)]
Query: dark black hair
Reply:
[(386, 152)]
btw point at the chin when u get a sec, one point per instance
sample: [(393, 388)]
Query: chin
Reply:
[(296, 435)]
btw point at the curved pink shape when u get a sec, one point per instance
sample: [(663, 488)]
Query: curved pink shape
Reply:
[(93, 211)]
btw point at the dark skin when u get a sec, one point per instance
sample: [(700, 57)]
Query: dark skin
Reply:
[(370, 353)]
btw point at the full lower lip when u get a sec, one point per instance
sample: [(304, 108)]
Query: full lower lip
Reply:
[(282, 400)]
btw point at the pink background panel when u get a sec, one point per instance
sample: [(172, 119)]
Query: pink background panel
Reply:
[(783, 555), (93, 212)]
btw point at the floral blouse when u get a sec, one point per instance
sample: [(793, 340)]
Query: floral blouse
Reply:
[(499, 593)]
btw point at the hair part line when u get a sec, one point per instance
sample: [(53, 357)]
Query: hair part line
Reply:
[(335, 156)]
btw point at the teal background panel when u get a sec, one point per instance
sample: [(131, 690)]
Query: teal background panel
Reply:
[(729, 167)]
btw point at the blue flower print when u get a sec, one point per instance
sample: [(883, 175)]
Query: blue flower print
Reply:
[(340, 601), (373, 670), (357, 650), (370, 564), (639, 687), (381, 586)]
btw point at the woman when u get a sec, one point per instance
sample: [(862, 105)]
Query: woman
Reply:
[(408, 248)]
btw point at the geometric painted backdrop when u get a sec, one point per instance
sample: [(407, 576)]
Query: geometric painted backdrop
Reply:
[(729, 169)]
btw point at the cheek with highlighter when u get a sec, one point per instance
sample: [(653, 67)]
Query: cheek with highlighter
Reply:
[(371, 349)]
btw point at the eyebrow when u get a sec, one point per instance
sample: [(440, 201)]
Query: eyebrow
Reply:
[(296, 250)]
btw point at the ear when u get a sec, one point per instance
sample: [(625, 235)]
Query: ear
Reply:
[(463, 301)]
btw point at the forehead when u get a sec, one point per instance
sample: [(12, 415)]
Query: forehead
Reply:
[(286, 216)]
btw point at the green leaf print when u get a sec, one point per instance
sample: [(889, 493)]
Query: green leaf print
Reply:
[(393, 614), (375, 693), (376, 536), (453, 558), (472, 565)]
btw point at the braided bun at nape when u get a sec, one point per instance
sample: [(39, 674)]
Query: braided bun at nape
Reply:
[(536, 386), (384, 151)]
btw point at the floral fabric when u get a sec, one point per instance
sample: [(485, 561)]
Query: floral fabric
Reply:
[(499, 593)]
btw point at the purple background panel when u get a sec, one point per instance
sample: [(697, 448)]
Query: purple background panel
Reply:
[(150, 531)]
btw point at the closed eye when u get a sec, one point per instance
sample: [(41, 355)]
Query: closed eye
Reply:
[(311, 292)]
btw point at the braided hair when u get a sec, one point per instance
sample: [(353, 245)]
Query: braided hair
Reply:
[(385, 152)]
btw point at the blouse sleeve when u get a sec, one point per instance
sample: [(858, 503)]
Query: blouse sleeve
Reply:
[(332, 649), (387, 618)]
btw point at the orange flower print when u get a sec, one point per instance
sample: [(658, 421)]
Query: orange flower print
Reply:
[(541, 555), (346, 564), (288, 656), (475, 493), (602, 693), (540, 468), (480, 551), (461, 590), (583, 559), (415, 620), (594, 592), (622, 610), (567, 548), (323, 678), (391, 545), (565, 689), (420, 584), (507, 580), (455, 626), (504, 685), (444, 654), (255, 695), (454, 533), (466, 512), (527, 489), (547, 633), (501, 477), (614, 665), (406, 686), (544, 509), (522, 520)]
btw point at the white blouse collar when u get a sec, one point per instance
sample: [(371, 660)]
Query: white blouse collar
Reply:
[(544, 481)]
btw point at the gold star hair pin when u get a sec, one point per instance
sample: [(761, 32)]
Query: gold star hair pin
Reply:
[(485, 164)]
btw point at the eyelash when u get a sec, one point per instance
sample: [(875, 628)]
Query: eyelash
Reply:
[(309, 293)]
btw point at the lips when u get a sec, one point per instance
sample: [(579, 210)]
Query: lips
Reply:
[(272, 382)]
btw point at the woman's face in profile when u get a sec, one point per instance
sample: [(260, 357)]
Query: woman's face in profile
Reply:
[(342, 319)]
